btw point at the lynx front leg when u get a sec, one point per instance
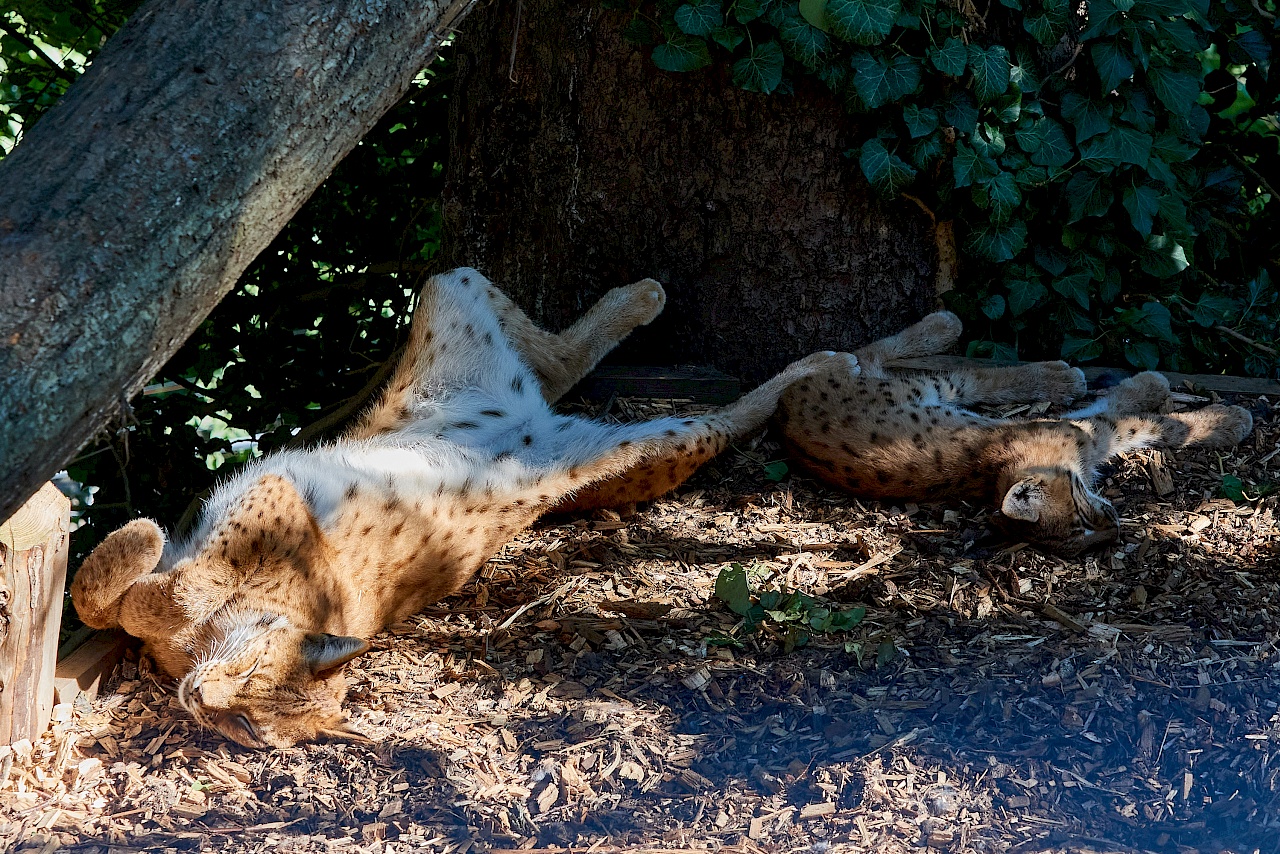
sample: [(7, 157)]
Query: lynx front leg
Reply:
[(560, 361), (673, 449), (936, 333)]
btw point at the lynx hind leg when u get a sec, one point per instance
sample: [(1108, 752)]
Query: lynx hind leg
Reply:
[(125, 556), (936, 333), (1215, 426), (1056, 382), (455, 340), (672, 449), (560, 361)]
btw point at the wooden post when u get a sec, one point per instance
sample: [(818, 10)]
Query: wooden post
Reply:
[(33, 573)]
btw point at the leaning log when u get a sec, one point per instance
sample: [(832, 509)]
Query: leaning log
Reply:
[(132, 207)]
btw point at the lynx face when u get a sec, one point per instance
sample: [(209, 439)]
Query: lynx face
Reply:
[(273, 685), (1055, 508)]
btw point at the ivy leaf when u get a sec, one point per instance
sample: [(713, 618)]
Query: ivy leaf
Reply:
[(926, 152), (1002, 194), (879, 83), (1249, 45), (1087, 116), (1142, 203), (682, 53), (1051, 260), (1176, 90), (959, 111), (1087, 195), (641, 31), (803, 41), (699, 19), (1142, 354), (988, 140), (1212, 309), (999, 243), (887, 172), (990, 71), (993, 306), (760, 70), (1024, 295), (1080, 349), (815, 12), (969, 166), (775, 471), (1046, 143), (921, 121), (747, 10), (863, 22), (1152, 320), (728, 37), (951, 58), (732, 589), (1112, 63), (1075, 286), (1163, 257)]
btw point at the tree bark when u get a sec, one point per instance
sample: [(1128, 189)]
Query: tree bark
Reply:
[(130, 209), (580, 165), (33, 570)]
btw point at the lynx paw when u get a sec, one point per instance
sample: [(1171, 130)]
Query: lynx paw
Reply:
[(638, 303), (1061, 383), (827, 360), (1144, 392), (1227, 425), (936, 333)]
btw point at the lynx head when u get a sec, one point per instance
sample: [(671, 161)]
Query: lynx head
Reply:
[(268, 684), (1053, 507)]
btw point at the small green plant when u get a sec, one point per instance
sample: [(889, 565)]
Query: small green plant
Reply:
[(1234, 488), (790, 617)]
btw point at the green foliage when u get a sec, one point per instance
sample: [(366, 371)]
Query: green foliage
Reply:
[(788, 616), (1106, 171), (306, 333)]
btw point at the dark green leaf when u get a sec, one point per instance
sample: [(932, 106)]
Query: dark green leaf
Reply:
[(1002, 195), (990, 71), (993, 306), (760, 70), (700, 18), (1176, 90), (1051, 261), (1080, 349), (732, 589), (1163, 257), (682, 53), (1233, 488), (1142, 203), (951, 58), (959, 111), (887, 172), (1024, 295), (775, 471), (804, 42), (641, 31), (1088, 194), (1000, 242), (1113, 64), (1212, 309), (747, 10), (1087, 116), (879, 83), (815, 12), (1054, 149), (927, 151), (863, 22), (969, 166), (921, 121), (1142, 354), (728, 37)]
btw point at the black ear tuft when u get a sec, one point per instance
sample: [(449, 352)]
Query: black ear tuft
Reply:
[(325, 652)]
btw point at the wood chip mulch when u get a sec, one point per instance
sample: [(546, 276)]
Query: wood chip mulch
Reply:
[(994, 699)]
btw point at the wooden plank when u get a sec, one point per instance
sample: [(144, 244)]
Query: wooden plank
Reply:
[(699, 384), (84, 670), (1221, 384), (33, 560)]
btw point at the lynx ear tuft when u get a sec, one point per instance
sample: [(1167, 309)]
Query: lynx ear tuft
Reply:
[(1025, 500), (325, 652)]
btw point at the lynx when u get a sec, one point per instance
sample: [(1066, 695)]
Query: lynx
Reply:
[(909, 437), (305, 554)]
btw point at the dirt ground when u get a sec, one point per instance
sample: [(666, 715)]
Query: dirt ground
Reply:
[(994, 699)]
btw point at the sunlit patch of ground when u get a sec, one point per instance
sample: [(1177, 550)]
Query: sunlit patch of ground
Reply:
[(993, 699)]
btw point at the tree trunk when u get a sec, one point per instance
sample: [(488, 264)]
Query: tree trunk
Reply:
[(130, 209), (33, 572), (581, 165)]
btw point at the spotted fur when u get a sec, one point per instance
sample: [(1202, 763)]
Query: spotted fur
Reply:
[(909, 438), (305, 554)]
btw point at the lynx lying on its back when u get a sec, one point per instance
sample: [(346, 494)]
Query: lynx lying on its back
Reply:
[(908, 438), (304, 554)]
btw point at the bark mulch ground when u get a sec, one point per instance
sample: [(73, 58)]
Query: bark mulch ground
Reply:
[(576, 696)]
